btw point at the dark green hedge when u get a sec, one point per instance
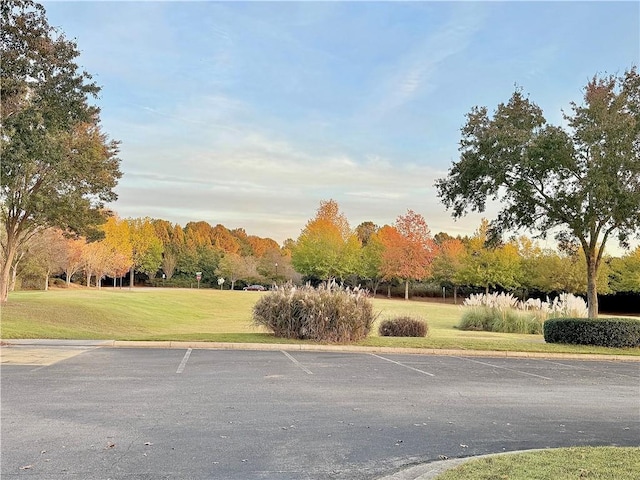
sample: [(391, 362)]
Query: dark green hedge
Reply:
[(606, 332)]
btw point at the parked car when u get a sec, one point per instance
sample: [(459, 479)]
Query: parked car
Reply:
[(254, 288)]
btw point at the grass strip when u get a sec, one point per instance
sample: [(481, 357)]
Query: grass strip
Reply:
[(591, 463), (226, 316)]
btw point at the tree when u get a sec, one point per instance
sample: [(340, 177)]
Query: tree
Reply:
[(117, 240), (233, 267), (370, 264), (146, 248), (44, 256), (488, 263), (326, 248), (72, 257), (625, 272), (583, 182), (172, 238), (409, 249), (58, 168), (448, 263)]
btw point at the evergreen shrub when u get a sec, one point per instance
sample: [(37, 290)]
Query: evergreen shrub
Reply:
[(329, 313), (403, 327), (606, 332)]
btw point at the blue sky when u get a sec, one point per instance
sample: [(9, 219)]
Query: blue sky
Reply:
[(250, 113)]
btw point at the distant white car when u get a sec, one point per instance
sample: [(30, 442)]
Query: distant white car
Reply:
[(254, 288)]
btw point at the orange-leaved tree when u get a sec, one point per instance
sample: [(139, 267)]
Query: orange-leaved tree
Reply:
[(409, 249)]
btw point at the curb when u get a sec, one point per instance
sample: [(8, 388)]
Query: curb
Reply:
[(170, 344), (431, 470)]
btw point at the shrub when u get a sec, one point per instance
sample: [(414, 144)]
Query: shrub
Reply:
[(329, 313), (606, 332), (496, 320), (477, 319), (403, 327)]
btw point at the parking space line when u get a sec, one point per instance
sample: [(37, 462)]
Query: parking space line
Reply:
[(504, 368), (184, 361), (297, 363), (403, 365)]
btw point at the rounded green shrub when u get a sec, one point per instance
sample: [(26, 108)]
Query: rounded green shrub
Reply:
[(329, 313), (403, 327), (606, 332)]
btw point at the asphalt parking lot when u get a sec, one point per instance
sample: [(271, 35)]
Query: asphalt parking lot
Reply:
[(105, 413)]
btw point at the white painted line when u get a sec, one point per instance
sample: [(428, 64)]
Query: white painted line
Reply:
[(403, 365), (297, 363), (184, 361), (504, 368)]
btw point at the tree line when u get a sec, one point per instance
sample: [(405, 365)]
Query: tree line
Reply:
[(327, 248)]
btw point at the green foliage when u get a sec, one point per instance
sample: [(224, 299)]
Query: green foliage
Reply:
[(606, 332), (583, 181), (477, 319), (495, 320), (329, 313), (58, 168), (403, 327)]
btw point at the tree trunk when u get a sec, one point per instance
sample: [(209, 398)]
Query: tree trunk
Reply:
[(486, 290), (5, 279), (592, 286), (406, 289), (131, 278), (455, 294), (46, 282), (88, 279)]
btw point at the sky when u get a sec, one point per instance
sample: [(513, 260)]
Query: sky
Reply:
[(249, 114)]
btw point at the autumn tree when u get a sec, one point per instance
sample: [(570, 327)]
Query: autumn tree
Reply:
[(58, 168), (117, 240), (44, 256), (582, 181), (448, 263), (146, 248), (72, 257), (489, 264), (409, 249), (326, 248), (370, 263), (173, 245), (233, 267)]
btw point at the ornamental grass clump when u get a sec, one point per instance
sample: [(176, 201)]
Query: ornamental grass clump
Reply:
[(403, 327), (330, 313), (502, 312)]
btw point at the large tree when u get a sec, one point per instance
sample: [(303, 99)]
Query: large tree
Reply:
[(581, 181), (58, 167)]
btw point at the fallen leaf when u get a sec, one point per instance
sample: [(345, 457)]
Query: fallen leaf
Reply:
[(443, 457), (148, 443), (26, 467), (463, 445), (110, 445)]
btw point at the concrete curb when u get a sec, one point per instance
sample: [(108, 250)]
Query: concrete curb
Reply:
[(430, 471), (170, 344)]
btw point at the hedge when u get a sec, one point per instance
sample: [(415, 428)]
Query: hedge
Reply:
[(606, 332)]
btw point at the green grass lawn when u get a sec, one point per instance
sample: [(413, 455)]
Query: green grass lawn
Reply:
[(596, 463), (225, 316)]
